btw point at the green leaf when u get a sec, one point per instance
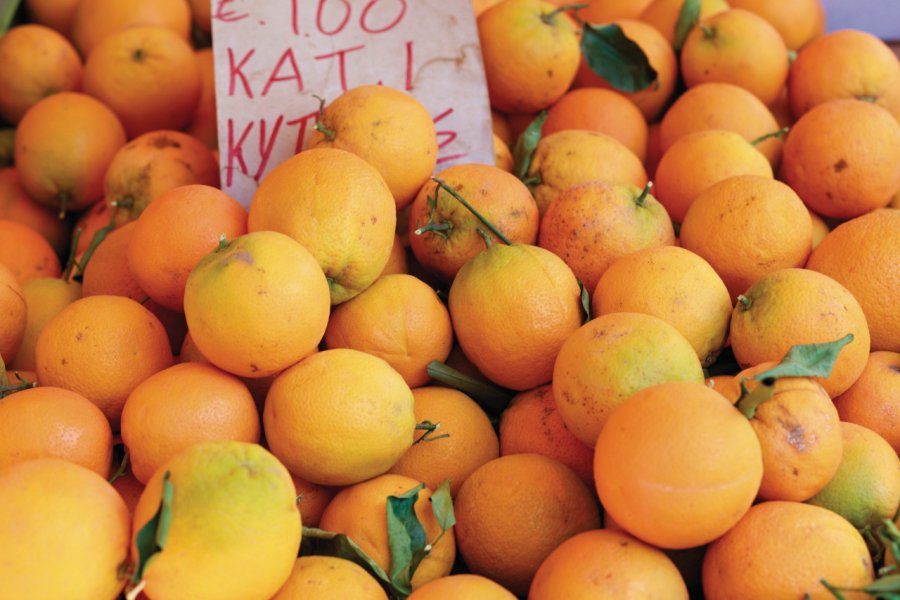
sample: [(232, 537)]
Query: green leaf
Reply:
[(615, 58), (491, 398), (807, 360), (886, 584), (7, 14), (442, 506), (406, 538), (749, 401), (687, 20), (525, 146), (319, 542), (585, 301), (151, 539)]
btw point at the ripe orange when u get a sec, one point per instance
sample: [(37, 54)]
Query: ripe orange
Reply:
[(35, 61), (512, 308), (537, 30), (798, 21), (130, 489), (327, 577), (257, 304), (339, 417), (98, 216), (312, 500), (398, 318), (503, 158), (592, 224), (663, 14), (180, 406), (676, 465), (610, 358), (462, 585), (48, 421), (52, 173), (60, 514), (458, 236), (872, 400), (94, 20), (388, 128), (799, 306), (55, 14), (13, 314), (16, 205), (791, 547), (336, 205), (842, 158), (102, 347), (746, 227), (513, 511), (397, 263), (204, 124), (607, 564), (359, 511), (601, 11), (675, 285), (107, 272), (44, 298), (469, 442), (26, 253)]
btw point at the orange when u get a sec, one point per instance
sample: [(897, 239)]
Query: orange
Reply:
[(35, 61), (462, 585), (601, 11), (651, 100), (175, 232), (675, 285), (148, 76), (531, 54), (204, 124), (61, 514), (107, 271), (698, 160), (468, 439), (567, 158), (842, 158), (501, 128), (676, 465), (129, 489), (513, 511), (359, 511), (398, 318), (592, 224), (44, 297), (339, 417), (444, 235), (235, 528), (327, 577), (94, 20), (746, 227), (740, 47), (865, 490), (610, 358), (820, 230), (16, 205), (845, 64), (397, 263), (721, 106), (791, 548), (503, 158), (257, 304), (53, 172), (102, 347), (602, 110), (512, 308), (860, 254), (798, 21), (13, 315), (339, 207), (798, 306), (26, 253), (180, 406), (312, 500), (389, 129), (871, 401), (663, 14), (55, 14), (99, 216), (154, 163), (48, 421), (605, 564), (531, 423)]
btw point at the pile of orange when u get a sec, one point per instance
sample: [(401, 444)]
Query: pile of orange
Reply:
[(208, 400)]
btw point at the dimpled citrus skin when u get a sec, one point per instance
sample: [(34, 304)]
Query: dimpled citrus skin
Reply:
[(329, 577)]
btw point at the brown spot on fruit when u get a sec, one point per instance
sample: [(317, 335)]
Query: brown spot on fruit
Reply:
[(840, 165)]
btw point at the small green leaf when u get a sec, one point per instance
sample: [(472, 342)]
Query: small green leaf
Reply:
[(328, 543), (836, 592), (615, 58), (808, 360), (151, 539), (491, 398), (585, 301), (688, 18), (442, 506), (750, 401), (406, 538), (525, 146), (7, 14), (886, 584)]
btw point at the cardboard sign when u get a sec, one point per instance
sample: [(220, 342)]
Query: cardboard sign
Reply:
[(273, 58)]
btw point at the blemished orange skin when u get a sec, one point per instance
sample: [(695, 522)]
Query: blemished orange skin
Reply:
[(94, 20), (49, 421), (746, 227), (148, 76), (462, 585), (798, 21), (792, 547), (63, 147), (492, 505), (841, 158), (872, 400), (26, 253), (323, 577), (16, 205), (13, 314), (799, 306), (676, 465), (35, 61), (606, 564)]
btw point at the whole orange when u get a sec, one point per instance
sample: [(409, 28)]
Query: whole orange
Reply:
[(26, 253), (871, 401), (94, 20)]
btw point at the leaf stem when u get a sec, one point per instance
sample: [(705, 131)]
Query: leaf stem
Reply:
[(644, 193), (442, 184), (781, 133), (547, 18), (319, 125)]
